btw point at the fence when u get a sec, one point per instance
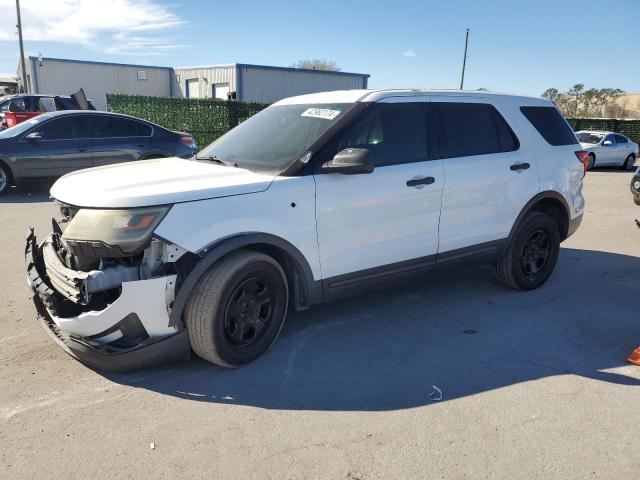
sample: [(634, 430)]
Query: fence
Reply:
[(205, 119), (629, 128)]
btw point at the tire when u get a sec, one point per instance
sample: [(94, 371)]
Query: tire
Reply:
[(226, 322), (636, 200), (5, 179), (629, 163), (592, 161), (522, 265)]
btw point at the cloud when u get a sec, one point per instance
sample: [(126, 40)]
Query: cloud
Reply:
[(114, 26), (410, 53)]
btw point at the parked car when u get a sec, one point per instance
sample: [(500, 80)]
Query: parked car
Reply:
[(608, 149), (54, 144), (314, 198), (15, 109)]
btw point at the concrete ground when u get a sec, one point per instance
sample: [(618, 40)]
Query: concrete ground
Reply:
[(533, 384)]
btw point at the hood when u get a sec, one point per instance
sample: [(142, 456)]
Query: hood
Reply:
[(155, 182)]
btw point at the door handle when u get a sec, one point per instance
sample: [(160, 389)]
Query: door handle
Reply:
[(82, 149), (519, 166), (420, 181)]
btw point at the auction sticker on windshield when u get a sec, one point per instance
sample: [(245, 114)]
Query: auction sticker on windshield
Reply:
[(325, 113)]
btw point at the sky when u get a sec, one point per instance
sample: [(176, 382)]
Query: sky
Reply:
[(515, 46)]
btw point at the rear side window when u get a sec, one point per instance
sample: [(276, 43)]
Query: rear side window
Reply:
[(394, 133), (117, 127), (620, 139), (550, 124), (473, 129)]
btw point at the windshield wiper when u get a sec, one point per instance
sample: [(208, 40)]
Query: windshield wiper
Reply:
[(213, 158)]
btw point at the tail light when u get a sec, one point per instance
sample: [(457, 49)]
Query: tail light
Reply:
[(583, 156), (189, 141)]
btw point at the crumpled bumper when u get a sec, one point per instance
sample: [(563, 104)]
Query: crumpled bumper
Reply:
[(128, 334)]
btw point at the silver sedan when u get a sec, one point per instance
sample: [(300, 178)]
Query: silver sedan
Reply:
[(608, 149)]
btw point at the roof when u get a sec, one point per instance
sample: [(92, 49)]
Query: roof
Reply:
[(351, 96), (91, 62), (269, 67)]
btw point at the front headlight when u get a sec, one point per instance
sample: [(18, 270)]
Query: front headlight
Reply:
[(129, 230)]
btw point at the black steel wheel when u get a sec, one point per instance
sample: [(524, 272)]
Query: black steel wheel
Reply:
[(535, 252), (237, 309), (532, 253)]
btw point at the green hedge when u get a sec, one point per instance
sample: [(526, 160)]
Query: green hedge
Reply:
[(629, 128), (205, 119)]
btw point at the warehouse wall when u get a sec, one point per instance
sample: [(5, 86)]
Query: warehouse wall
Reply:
[(206, 76), (64, 77), (266, 85)]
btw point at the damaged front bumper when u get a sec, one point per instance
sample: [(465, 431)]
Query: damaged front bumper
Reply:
[(126, 333)]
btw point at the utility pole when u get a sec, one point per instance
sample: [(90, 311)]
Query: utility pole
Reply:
[(464, 60), (25, 84)]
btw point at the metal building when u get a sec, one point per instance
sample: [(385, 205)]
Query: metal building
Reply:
[(237, 81), (260, 83), (63, 77)]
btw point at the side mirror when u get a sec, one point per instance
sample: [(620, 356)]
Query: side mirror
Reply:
[(34, 136), (607, 143), (349, 161)]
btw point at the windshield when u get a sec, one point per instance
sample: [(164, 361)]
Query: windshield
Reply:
[(273, 139), (19, 128), (586, 137)]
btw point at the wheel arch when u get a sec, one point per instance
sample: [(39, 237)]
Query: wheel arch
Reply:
[(303, 289), (549, 202), (155, 154)]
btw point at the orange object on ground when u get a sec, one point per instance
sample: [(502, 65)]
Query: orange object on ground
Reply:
[(635, 357)]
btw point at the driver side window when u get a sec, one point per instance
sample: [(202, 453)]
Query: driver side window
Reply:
[(608, 138), (394, 133)]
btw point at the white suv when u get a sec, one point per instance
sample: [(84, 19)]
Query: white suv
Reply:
[(316, 197)]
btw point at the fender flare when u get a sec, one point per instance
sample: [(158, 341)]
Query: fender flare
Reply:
[(548, 194), (305, 289)]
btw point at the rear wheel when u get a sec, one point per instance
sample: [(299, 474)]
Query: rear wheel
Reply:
[(5, 179), (592, 161), (630, 162), (237, 309), (532, 253)]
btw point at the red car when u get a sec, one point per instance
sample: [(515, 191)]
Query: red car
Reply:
[(15, 109)]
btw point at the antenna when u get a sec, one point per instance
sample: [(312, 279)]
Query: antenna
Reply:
[(464, 60)]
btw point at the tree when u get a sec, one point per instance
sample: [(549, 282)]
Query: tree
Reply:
[(551, 94), (317, 64), (578, 102)]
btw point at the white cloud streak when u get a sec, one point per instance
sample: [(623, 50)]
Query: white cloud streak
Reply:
[(113, 26), (409, 53)]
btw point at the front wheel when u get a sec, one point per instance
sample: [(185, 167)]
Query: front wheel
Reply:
[(532, 253), (237, 309), (5, 179), (630, 162), (592, 161)]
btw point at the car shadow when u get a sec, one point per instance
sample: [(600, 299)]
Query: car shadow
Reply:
[(459, 334), (31, 193), (611, 170)]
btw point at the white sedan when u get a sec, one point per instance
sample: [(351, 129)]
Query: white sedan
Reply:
[(608, 149)]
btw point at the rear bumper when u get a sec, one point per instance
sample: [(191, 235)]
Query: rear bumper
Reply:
[(574, 224), (86, 336)]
